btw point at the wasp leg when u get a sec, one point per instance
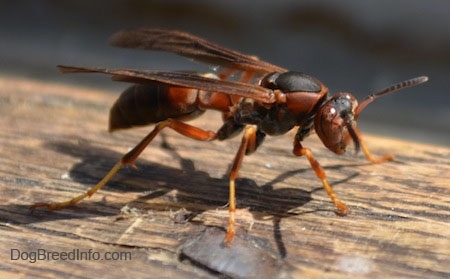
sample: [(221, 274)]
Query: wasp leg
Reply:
[(248, 145), (374, 159), (299, 150), (88, 193), (368, 154), (180, 127), (131, 156)]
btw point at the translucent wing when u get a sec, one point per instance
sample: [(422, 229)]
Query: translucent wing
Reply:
[(191, 46), (182, 79)]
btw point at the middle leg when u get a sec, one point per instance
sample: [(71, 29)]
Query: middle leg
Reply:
[(248, 145)]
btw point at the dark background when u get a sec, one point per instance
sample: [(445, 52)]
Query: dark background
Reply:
[(355, 46)]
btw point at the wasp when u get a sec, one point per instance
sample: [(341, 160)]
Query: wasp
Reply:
[(255, 97)]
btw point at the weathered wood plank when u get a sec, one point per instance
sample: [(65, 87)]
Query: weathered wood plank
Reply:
[(54, 145)]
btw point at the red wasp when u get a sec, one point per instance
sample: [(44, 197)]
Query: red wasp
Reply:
[(254, 96)]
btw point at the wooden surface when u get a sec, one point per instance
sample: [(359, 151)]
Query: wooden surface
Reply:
[(169, 215)]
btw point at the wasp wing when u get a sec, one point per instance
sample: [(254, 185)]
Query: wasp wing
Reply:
[(191, 46), (182, 79)]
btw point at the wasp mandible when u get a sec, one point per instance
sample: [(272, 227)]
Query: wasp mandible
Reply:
[(254, 97)]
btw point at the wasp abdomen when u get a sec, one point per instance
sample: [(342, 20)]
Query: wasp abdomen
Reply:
[(144, 104)]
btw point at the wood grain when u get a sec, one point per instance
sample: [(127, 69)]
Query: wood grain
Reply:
[(54, 145)]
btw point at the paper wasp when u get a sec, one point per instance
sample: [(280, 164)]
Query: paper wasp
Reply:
[(254, 96)]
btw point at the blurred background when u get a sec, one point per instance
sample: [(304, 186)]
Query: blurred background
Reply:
[(354, 46)]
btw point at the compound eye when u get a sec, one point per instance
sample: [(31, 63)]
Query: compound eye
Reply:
[(330, 127)]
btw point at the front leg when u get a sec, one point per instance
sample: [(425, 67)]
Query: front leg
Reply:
[(299, 150)]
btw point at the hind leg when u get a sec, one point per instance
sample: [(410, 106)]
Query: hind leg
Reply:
[(129, 158)]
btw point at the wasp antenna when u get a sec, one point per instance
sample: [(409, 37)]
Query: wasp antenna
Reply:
[(391, 89)]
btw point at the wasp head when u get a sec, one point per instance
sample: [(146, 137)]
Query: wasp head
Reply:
[(335, 123)]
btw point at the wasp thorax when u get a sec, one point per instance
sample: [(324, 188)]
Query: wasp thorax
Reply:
[(334, 122), (291, 82)]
